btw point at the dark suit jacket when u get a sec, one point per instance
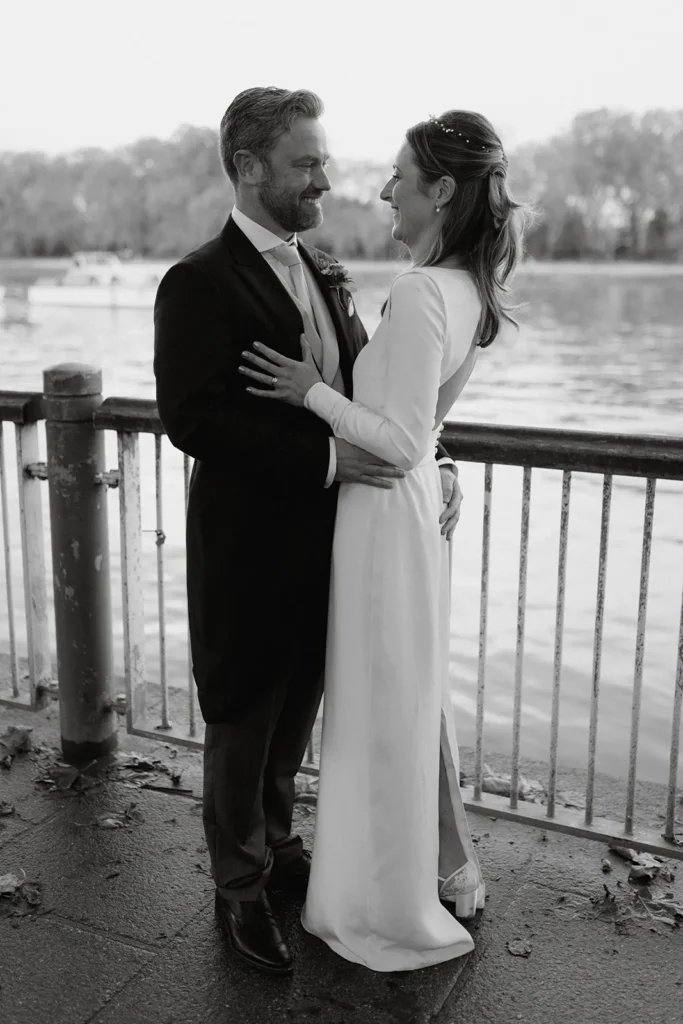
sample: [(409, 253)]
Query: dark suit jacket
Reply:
[(260, 521)]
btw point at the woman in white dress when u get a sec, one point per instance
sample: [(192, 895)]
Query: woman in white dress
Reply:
[(392, 843)]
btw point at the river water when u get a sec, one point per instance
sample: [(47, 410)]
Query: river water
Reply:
[(599, 348)]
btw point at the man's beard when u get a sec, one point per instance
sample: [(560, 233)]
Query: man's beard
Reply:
[(287, 210)]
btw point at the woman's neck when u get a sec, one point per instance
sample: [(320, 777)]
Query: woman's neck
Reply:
[(419, 250)]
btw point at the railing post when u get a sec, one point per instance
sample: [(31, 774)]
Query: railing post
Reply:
[(80, 559), (33, 556)]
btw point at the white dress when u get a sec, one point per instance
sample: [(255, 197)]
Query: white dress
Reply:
[(384, 830)]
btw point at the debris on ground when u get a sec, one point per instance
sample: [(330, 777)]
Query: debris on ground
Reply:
[(306, 789), (130, 816), (10, 882), (529, 790), (134, 763), (500, 784), (133, 770), (6, 808), (139, 772), (112, 821), (606, 865), (640, 906), (15, 741), (645, 867), (19, 898), (176, 790), (66, 778), (520, 947)]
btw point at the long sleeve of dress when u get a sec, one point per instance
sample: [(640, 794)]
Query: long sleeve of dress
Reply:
[(400, 432)]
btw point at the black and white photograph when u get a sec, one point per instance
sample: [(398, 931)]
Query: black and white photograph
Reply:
[(341, 508)]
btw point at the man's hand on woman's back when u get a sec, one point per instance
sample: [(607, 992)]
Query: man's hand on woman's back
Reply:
[(356, 466)]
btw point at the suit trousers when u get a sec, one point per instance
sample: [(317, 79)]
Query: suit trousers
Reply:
[(249, 768)]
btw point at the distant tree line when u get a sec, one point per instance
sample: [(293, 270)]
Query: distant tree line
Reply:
[(611, 187)]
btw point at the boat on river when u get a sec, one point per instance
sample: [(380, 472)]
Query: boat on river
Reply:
[(92, 280)]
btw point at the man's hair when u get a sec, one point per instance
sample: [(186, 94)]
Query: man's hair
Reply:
[(257, 118)]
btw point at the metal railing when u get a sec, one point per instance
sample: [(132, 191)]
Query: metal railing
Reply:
[(569, 451), (648, 457), (24, 410)]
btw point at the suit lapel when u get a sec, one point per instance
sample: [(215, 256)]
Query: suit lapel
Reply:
[(346, 336), (268, 293), (274, 303)]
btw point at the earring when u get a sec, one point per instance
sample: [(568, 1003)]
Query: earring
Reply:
[(438, 208)]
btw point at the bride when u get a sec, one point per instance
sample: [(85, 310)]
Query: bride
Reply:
[(392, 843)]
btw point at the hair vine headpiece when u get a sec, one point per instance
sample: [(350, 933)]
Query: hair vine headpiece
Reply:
[(453, 131)]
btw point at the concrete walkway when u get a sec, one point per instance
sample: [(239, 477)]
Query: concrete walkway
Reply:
[(113, 923)]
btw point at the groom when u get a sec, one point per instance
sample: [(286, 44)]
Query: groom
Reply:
[(262, 501)]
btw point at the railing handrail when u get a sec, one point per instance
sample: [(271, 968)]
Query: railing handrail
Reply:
[(132, 415), (21, 407), (588, 451)]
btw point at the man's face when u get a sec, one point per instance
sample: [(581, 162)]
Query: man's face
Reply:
[(295, 177)]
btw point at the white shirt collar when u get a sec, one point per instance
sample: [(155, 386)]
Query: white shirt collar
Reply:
[(261, 238)]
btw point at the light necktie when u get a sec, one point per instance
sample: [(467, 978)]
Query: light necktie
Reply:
[(288, 255)]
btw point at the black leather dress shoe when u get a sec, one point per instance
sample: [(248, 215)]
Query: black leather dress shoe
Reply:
[(292, 877), (253, 934)]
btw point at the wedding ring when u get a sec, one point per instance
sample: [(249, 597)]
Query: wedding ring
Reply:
[(273, 381)]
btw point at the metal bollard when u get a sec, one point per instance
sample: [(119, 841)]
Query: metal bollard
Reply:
[(80, 561)]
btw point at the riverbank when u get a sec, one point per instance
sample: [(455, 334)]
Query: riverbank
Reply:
[(114, 919), (38, 282)]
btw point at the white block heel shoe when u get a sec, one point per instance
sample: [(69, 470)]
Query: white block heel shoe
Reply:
[(461, 888)]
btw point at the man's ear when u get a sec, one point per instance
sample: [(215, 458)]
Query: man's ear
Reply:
[(249, 168)]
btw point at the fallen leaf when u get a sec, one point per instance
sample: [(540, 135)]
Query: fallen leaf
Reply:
[(520, 947), (500, 784), (641, 906), (6, 808), (64, 777), (10, 882), (136, 763), (645, 867), (15, 741), (32, 894), (110, 821)]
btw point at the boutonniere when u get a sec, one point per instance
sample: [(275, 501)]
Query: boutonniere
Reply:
[(337, 276)]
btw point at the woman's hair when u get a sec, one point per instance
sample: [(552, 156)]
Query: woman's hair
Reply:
[(482, 224), (257, 118)]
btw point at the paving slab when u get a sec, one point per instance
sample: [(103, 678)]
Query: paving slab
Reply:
[(17, 786), (578, 971), (143, 881), (196, 980), (52, 972)]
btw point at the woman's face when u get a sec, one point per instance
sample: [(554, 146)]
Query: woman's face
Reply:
[(415, 218)]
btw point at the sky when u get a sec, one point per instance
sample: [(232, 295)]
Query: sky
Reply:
[(77, 73)]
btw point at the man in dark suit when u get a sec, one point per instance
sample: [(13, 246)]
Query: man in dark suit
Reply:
[(262, 498)]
